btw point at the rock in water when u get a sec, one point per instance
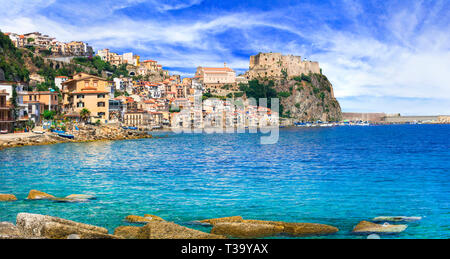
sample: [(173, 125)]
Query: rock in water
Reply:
[(299, 229), (153, 217), (246, 230), (170, 230), (80, 197), (7, 197), (369, 227), (127, 232), (38, 195), (143, 220), (221, 220), (9, 230), (42, 226), (396, 219)]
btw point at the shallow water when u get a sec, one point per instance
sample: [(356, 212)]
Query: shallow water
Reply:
[(337, 176)]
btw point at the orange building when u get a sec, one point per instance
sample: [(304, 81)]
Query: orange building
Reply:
[(86, 91)]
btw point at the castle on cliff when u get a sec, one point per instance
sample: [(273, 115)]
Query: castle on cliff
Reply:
[(278, 65)]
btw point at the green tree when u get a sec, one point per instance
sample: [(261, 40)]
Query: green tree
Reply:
[(49, 115), (85, 114)]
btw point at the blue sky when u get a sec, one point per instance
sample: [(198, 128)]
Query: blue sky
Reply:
[(381, 56)]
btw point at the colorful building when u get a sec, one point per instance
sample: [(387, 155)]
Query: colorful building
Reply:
[(86, 91)]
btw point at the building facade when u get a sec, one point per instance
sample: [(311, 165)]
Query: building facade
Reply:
[(6, 120), (86, 91)]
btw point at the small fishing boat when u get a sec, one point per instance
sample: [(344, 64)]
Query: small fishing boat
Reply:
[(65, 135), (38, 132), (3, 132)]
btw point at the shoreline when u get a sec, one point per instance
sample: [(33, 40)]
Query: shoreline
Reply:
[(50, 138)]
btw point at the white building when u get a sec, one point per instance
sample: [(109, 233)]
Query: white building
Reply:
[(59, 80)]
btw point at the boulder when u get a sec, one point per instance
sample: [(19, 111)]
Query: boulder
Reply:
[(170, 230), (7, 197), (246, 230), (395, 219), (153, 217), (35, 225), (299, 229), (55, 230), (221, 220), (127, 232), (139, 219), (38, 195), (9, 229), (369, 227), (73, 236)]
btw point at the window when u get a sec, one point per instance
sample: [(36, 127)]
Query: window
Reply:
[(80, 96), (101, 96), (86, 83), (80, 104), (101, 114), (101, 104), (95, 83)]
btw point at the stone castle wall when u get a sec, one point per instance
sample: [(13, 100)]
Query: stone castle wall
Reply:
[(273, 64)]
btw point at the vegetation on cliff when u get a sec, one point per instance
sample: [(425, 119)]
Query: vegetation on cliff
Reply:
[(11, 60), (304, 98)]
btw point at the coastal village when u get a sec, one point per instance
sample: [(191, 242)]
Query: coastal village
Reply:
[(145, 96), (148, 97)]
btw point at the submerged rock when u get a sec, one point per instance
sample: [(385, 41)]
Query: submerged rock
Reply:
[(80, 197), (38, 195), (42, 226), (246, 230), (7, 197), (299, 229), (170, 230), (220, 220), (369, 227), (139, 219), (128, 232), (396, 219)]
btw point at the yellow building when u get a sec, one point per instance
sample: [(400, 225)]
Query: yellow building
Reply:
[(86, 91)]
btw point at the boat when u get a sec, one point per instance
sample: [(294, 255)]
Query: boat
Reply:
[(65, 135), (3, 132), (38, 132)]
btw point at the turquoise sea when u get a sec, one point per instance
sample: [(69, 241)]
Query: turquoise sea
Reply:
[(337, 176)]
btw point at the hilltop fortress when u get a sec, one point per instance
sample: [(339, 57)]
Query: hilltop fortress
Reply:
[(278, 65)]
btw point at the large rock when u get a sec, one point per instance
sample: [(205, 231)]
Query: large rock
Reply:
[(221, 220), (369, 227), (38, 195), (299, 229), (170, 230), (8, 229), (80, 197), (55, 230), (246, 230), (127, 232), (7, 197), (143, 220), (35, 225)]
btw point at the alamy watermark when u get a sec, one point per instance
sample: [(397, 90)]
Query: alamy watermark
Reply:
[(228, 116)]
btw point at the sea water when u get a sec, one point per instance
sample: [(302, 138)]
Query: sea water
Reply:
[(337, 176)]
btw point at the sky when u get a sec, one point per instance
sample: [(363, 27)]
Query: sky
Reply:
[(380, 56)]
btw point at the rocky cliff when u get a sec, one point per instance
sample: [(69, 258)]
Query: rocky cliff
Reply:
[(308, 98)]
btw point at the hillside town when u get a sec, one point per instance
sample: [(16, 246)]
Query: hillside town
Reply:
[(149, 97)]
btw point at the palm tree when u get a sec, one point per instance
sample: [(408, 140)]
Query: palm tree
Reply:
[(85, 114)]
